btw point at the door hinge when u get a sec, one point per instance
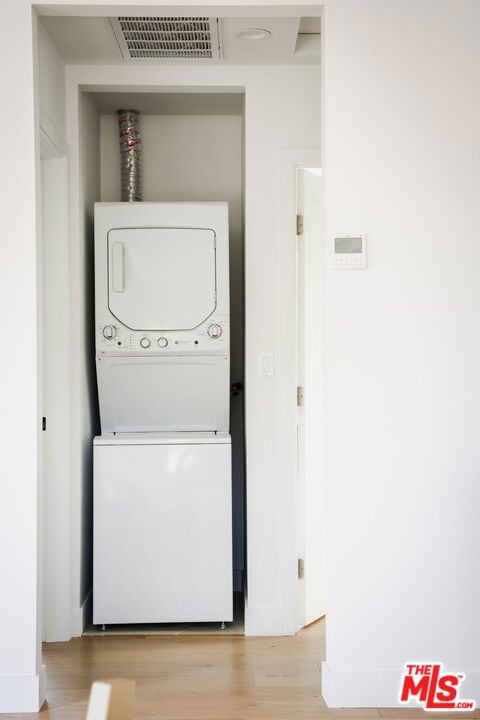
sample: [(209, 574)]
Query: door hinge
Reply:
[(299, 224), (44, 424), (301, 568), (300, 396)]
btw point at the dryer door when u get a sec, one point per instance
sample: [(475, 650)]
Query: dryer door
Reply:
[(161, 278)]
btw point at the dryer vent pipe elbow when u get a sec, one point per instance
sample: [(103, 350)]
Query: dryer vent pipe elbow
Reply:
[(130, 155)]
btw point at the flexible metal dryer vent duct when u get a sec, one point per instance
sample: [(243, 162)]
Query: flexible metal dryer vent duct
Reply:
[(130, 155)]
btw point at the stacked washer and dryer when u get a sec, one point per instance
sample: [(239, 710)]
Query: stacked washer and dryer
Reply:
[(162, 465)]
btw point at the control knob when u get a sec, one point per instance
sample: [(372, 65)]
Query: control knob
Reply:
[(162, 342), (109, 332), (145, 342), (214, 330)]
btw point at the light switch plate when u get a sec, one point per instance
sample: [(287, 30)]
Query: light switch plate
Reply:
[(265, 364)]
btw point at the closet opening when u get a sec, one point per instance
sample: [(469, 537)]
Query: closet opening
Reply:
[(193, 148)]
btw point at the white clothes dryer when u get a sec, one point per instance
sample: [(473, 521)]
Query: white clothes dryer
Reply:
[(162, 316)]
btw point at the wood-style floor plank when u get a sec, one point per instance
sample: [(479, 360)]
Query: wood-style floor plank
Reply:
[(201, 677)]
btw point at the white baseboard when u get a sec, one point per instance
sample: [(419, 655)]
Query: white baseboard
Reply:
[(263, 621), (22, 694), (42, 684), (379, 688), (360, 688)]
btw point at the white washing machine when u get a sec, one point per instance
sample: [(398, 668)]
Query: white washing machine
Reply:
[(162, 528), (162, 316), (162, 467)]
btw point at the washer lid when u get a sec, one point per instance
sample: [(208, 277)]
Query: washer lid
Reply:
[(161, 278)]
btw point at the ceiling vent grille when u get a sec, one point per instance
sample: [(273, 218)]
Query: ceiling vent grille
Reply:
[(169, 38)]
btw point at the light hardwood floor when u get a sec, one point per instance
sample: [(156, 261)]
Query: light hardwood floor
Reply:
[(200, 677)]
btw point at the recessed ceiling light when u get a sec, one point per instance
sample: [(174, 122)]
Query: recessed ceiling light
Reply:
[(253, 34)]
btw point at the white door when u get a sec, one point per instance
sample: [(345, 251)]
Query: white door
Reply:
[(311, 594), (161, 278)]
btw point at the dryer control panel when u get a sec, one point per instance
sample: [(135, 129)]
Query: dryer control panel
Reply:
[(211, 337)]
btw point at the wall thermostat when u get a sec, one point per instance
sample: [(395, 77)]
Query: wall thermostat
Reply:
[(349, 252)]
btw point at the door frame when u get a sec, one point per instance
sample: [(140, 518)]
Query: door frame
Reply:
[(281, 619)]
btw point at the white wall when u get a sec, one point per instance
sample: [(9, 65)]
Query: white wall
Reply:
[(199, 158), (402, 112), (20, 672)]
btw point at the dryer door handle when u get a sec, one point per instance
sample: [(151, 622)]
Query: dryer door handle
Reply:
[(118, 267)]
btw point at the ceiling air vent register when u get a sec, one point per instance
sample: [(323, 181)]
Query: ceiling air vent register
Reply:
[(186, 38)]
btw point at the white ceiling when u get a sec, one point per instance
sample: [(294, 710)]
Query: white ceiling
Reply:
[(90, 40)]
